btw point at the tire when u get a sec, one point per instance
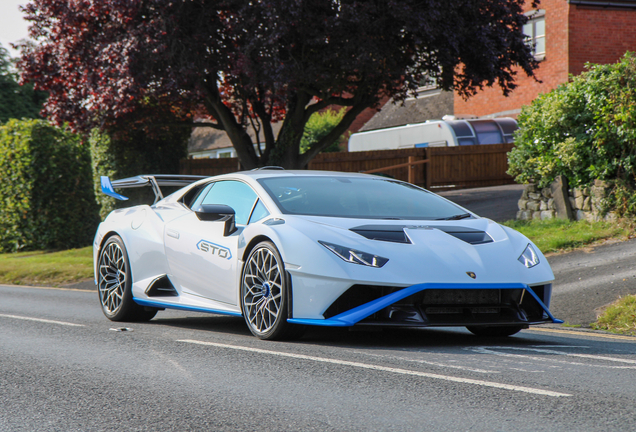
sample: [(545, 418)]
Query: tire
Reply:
[(114, 284), (265, 296), (494, 331)]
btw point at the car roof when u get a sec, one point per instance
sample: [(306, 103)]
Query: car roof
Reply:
[(265, 173)]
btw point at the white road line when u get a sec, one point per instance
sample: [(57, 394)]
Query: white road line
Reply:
[(492, 350), (48, 288), (383, 368), (42, 320), (588, 356), (582, 334), (444, 365)]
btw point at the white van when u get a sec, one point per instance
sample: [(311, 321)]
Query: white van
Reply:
[(436, 133)]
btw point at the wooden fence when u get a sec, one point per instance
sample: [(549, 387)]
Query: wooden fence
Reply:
[(448, 167)]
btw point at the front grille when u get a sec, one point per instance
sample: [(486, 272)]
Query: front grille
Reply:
[(461, 296), (445, 307)]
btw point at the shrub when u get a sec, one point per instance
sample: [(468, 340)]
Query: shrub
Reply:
[(46, 194), (585, 130), (133, 152), (319, 125)]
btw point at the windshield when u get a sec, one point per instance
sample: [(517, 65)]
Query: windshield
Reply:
[(355, 197)]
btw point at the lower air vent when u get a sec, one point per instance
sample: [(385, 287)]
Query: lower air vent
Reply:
[(356, 296), (161, 287)]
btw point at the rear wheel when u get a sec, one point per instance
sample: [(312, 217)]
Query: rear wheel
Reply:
[(494, 331), (264, 295), (114, 284)]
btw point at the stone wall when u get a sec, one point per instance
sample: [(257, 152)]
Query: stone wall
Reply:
[(586, 203), (536, 204)]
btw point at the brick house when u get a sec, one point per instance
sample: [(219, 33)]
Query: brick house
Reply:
[(567, 34)]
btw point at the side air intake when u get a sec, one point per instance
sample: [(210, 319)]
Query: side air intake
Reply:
[(161, 287)]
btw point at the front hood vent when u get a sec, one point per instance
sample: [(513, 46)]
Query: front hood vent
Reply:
[(388, 233), (396, 234), (469, 235)]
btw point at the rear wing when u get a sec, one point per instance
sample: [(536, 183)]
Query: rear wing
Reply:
[(154, 180)]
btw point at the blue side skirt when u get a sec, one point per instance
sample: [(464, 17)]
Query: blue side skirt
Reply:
[(353, 316), (157, 304)]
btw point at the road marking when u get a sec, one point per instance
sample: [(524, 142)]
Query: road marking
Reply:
[(383, 368), (491, 350), (48, 288), (575, 333), (444, 365), (42, 320)]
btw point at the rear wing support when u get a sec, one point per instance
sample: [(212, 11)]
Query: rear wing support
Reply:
[(155, 181)]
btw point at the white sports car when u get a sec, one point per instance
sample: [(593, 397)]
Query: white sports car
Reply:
[(287, 249)]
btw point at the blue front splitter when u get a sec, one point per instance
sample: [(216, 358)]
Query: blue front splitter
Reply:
[(353, 316)]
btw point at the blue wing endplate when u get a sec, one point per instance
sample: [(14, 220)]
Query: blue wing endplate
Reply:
[(107, 188)]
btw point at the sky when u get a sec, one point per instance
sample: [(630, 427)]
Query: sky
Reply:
[(12, 25)]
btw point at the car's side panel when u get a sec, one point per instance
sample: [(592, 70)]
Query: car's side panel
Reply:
[(141, 228), (202, 260)]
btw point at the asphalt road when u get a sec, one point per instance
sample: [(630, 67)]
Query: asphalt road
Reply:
[(498, 203), (65, 367)]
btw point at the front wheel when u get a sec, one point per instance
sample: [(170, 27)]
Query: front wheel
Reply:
[(494, 331), (264, 295), (115, 284)]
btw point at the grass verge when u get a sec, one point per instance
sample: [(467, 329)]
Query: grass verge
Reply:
[(46, 268), (57, 268), (556, 235), (619, 317)]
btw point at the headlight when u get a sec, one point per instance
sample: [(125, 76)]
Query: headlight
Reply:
[(529, 257), (355, 256)]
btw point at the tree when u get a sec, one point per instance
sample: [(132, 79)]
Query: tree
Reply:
[(584, 130), (318, 126), (16, 101), (261, 61)]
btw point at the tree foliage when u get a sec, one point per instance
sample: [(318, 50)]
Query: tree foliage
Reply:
[(127, 153), (584, 129), (46, 195), (262, 61), (16, 101), (318, 126)]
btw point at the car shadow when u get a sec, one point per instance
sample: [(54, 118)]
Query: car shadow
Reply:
[(387, 338)]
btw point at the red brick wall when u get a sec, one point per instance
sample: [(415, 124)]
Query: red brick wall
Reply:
[(600, 35), (552, 71)]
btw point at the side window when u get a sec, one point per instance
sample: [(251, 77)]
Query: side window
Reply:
[(235, 194), (198, 199), (259, 212), (189, 199)]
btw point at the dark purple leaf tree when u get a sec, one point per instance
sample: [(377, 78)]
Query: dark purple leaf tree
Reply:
[(250, 63)]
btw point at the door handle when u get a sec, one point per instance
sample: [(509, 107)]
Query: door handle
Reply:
[(172, 233)]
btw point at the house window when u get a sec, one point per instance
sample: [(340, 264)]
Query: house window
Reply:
[(534, 30), (223, 155)]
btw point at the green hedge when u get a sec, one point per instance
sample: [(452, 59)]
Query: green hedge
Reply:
[(46, 194), (584, 130), (133, 152)]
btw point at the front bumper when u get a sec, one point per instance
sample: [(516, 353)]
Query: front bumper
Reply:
[(445, 304)]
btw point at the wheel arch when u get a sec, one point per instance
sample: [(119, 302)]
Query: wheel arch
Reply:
[(252, 244)]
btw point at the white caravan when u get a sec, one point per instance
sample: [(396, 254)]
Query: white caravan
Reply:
[(436, 133)]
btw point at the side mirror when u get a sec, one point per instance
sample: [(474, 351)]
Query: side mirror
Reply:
[(218, 213)]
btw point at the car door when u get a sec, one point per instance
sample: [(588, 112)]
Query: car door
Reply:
[(204, 262)]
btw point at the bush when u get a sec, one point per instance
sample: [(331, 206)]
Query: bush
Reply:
[(46, 194), (318, 126), (585, 130), (133, 152)]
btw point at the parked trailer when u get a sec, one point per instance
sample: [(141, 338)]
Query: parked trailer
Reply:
[(436, 133)]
